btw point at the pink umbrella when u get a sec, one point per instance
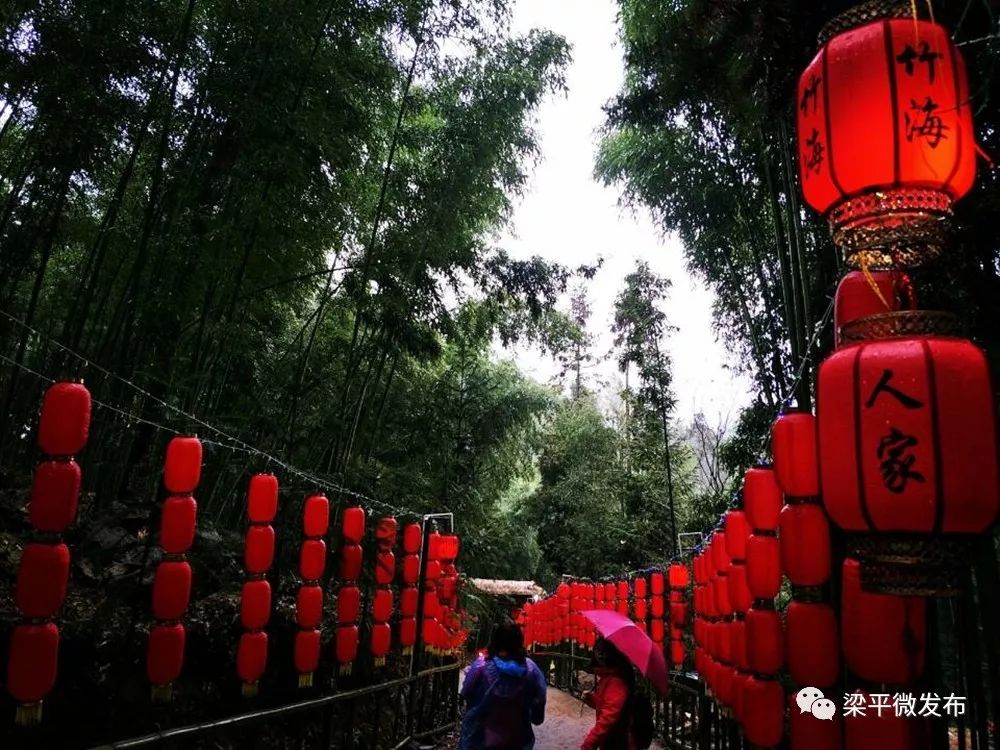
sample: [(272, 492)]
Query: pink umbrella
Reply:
[(633, 643)]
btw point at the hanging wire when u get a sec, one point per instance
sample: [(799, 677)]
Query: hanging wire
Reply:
[(234, 444)]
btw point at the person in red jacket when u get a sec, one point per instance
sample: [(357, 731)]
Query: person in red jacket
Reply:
[(611, 700)]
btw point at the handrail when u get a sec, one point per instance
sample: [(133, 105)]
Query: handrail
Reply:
[(254, 717)]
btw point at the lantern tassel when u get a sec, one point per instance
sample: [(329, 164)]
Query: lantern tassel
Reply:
[(408, 650), (380, 661), (306, 680), (250, 689), (345, 669), (28, 715), (162, 693)]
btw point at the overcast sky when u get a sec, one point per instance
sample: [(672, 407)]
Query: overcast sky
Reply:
[(568, 217)]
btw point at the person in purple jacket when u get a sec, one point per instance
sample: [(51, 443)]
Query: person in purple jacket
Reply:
[(504, 692)]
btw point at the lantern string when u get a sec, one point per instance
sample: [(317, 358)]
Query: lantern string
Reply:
[(234, 444)]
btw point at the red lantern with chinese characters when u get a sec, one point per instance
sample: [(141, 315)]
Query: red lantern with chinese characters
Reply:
[(793, 443), (883, 637), (811, 643), (884, 123), (907, 443)]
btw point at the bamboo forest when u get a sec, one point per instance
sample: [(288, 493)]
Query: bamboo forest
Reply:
[(500, 374)]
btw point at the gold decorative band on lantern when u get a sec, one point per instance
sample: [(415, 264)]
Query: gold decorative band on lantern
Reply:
[(873, 10), (891, 230), (902, 324), (911, 565)]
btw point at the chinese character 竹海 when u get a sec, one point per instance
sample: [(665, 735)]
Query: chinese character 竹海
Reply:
[(931, 127), (908, 56)]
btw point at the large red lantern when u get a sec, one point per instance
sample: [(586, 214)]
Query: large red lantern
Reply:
[(262, 498), (177, 524), (765, 651), (907, 437), (763, 566), (251, 659), (42, 578), (165, 654), (884, 638), (884, 123), (353, 525)]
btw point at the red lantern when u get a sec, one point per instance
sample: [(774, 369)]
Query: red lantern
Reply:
[(793, 443), (412, 538), (738, 644), (763, 566), (251, 659), (258, 552), (182, 466), (262, 498), (385, 532), (316, 516), (31, 667), (640, 610), (385, 568), (720, 555), (171, 590), (309, 606), (348, 604), (883, 730), (346, 646), (737, 531), (883, 116), (907, 437), (678, 614), (739, 591), (761, 498), (350, 562), (860, 295), (640, 588), (884, 638), (64, 424), (763, 711), (677, 653), (810, 733), (765, 652), (407, 633), (656, 631), (677, 575), (177, 524), (805, 544), (42, 577), (381, 641), (656, 583), (811, 644), (255, 604), (55, 492), (408, 599), (307, 647), (353, 525), (411, 569), (656, 607), (165, 654), (312, 559), (382, 605)]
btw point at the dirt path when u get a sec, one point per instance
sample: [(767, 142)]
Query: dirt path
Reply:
[(565, 725)]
